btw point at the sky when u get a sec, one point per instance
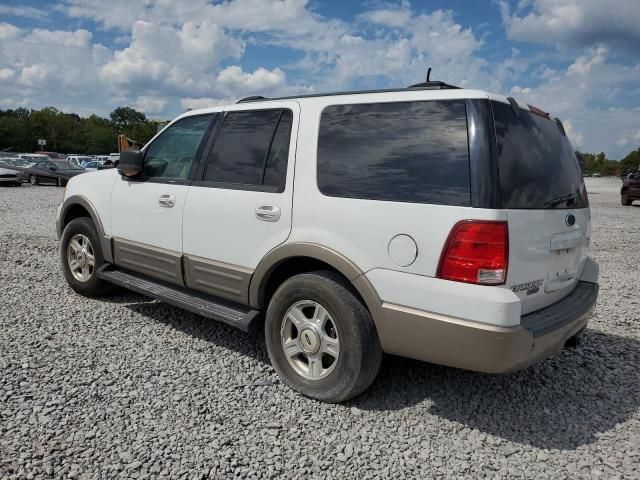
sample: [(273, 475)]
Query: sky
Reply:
[(577, 59)]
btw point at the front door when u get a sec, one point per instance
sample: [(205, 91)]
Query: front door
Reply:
[(146, 211), (240, 206)]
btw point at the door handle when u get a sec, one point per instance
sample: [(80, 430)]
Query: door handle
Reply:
[(268, 213), (167, 200)]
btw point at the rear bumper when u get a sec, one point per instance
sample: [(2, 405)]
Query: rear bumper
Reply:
[(486, 348)]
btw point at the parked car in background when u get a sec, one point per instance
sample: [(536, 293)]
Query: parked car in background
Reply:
[(53, 171), (630, 190), (92, 166), (10, 177), (79, 160), (114, 157), (102, 158), (32, 158), (53, 155)]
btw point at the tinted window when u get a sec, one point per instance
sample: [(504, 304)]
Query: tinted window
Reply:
[(173, 152), (536, 162), (252, 148), (276, 169), (404, 152)]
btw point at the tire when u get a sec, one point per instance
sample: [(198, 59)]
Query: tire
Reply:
[(625, 200), (91, 286), (59, 182), (34, 180), (359, 353)]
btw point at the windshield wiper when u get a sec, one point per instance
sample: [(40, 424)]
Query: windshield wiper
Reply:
[(557, 201)]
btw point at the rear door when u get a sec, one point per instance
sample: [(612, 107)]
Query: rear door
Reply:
[(547, 208), (240, 208)]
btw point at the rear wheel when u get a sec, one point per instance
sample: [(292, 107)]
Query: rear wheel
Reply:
[(625, 200), (34, 180), (81, 256), (321, 338)]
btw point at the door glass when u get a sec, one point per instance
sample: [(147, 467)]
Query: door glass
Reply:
[(275, 172), (240, 151), (173, 152)]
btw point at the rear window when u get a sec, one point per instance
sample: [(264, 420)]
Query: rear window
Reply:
[(403, 152), (537, 165)]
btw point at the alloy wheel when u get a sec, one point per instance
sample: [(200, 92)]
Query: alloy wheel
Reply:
[(309, 339)]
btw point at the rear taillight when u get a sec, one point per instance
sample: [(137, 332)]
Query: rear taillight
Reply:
[(476, 252)]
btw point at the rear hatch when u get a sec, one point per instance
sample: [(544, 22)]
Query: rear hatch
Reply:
[(543, 193)]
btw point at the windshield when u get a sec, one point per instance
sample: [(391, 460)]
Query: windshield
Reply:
[(67, 166), (538, 168)]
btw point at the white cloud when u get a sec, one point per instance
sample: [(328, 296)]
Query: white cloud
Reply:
[(168, 60), (232, 80), (23, 11), (6, 73), (150, 105), (574, 23)]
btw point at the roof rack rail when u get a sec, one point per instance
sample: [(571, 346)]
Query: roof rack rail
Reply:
[(432, 84), (253, 98)]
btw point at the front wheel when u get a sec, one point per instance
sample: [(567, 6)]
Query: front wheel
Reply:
[(81, 256), (60, 182), (34, 180), (321, 339), (625, 200)]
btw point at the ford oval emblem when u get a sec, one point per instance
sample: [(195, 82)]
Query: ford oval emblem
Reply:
[(570, 220)]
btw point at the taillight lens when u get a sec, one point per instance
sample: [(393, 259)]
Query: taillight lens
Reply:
[(476, 252)]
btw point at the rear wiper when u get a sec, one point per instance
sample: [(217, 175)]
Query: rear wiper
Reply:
[(557, 201)]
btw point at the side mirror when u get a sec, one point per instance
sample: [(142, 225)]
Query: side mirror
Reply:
[(130, 163)]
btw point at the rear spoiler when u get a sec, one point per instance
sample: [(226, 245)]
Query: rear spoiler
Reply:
[(536, 111)]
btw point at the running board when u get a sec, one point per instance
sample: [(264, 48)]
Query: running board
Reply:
[(235, 315)]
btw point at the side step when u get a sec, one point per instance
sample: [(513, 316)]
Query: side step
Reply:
[(232, 314)]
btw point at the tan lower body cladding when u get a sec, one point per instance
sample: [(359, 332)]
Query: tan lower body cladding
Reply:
[(219, 279), (472, 346)]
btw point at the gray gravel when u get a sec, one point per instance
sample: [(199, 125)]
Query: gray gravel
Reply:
[(128, 387)]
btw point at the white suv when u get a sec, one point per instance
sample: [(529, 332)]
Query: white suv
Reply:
[(442, 224)]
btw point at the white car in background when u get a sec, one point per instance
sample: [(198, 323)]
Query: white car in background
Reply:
[(79, 160)]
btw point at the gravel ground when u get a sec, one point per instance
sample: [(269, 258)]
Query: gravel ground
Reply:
[(128, 387)]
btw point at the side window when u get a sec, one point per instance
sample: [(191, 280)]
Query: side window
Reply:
[(174, 151), (275, 173), (400, 152), (252, 149)]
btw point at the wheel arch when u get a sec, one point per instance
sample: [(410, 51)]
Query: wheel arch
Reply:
[(77, 206), (293, 258)]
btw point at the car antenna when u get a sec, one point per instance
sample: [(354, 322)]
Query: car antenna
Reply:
[(432, 84)]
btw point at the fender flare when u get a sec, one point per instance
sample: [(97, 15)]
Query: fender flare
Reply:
[(105, 240), (348, 269)]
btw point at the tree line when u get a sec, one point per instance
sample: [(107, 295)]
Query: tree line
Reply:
[(21, 128), (599, 163)]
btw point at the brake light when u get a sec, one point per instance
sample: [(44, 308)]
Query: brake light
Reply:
[(476, 252)]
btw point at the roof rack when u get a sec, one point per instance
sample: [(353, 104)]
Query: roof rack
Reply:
[(253, 98), (428, 85), (432, 84)]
